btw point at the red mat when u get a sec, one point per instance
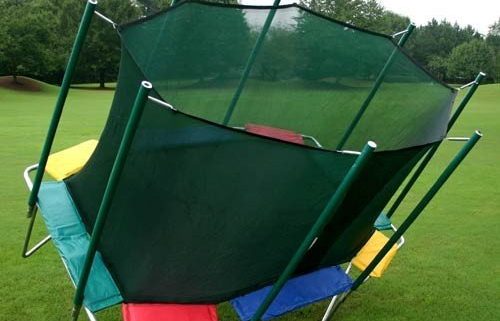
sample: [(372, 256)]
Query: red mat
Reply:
[(169, 312), (278, 133)]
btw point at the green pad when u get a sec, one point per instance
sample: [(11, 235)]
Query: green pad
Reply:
[(383, 223), (71, 239)]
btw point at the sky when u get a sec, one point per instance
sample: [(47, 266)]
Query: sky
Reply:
[(478, 13)]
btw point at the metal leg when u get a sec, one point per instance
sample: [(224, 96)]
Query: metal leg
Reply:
[(335, 302), (27, 253), (334, 305), (329, 210), (90, 315)]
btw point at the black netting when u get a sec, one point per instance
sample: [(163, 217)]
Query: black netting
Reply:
[(204, 212)]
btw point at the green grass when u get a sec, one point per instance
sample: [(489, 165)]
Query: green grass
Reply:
[(448, 269)]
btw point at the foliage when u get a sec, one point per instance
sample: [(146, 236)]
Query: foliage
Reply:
[(37, 36), (437, 39), (149, 7), (361, 13), (101, 53), (493, 39), (202, 38), (468, 58), (26, 28)]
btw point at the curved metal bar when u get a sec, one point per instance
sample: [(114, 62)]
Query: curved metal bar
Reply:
[(313, 139), (26, 175), (28, 252)]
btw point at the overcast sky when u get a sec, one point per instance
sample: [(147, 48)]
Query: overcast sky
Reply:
[(478, 13)]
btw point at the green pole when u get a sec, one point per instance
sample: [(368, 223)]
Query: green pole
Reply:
[(434, 148), (375, 87), (466, 99), (325, 216), (61, 99), (114, 177), (250, 62), (419, 208)]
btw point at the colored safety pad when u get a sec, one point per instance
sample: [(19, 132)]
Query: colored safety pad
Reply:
[(297, 292), (370, 250), (274, 132), (72, 241), (71, 160), (383, 223), (168, 312)]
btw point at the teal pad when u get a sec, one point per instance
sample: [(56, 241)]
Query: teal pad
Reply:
[(72, 240), (383, 223)]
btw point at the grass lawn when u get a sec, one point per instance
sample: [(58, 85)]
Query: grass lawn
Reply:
[(448, 270)]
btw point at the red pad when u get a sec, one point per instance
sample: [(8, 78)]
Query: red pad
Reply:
[(273, 132), (168, 312)]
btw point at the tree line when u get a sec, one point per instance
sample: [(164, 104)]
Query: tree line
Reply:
[(453, 53), (38, 34)]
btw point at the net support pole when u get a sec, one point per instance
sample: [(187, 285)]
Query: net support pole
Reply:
[(250, 63), (452, 166), (114, 177), (434, 148), (376, 85), (325, 216), (61, 100)]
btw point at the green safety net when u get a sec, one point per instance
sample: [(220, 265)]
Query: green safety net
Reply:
[(204, 212)]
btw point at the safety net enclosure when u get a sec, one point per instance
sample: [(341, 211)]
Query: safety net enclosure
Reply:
[(310, 74), (204, 210)]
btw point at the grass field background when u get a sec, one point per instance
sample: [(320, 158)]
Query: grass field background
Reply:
[(448, 270)]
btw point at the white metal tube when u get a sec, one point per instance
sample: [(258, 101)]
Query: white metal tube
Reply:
[(162, 103), (108, 20)]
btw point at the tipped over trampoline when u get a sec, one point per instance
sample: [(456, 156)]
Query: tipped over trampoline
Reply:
[(236, 155)]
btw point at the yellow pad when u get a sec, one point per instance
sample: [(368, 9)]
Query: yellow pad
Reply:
[(71, 160), (370, 250)]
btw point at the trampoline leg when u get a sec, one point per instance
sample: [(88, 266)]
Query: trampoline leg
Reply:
[(250, 63), (61, 100), (90, 315), (432, 151), (376, 85), (107, 199), (418, 208), (330, 209), (334, 305), (28, 252)]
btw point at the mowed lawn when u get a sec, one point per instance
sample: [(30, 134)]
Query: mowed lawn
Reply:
[(448, 270)]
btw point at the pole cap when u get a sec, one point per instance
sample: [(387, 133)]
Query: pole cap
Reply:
[(146, 84)]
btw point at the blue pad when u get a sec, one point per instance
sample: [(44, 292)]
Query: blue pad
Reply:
[(297, 292), (383, 223)]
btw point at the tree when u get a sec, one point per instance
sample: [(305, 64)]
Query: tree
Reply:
[(437, 39), (391, 23), (149, 7), (361, 13), (100, 56), (467, 59), (209, 44), (28, 29), (493, 39)]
